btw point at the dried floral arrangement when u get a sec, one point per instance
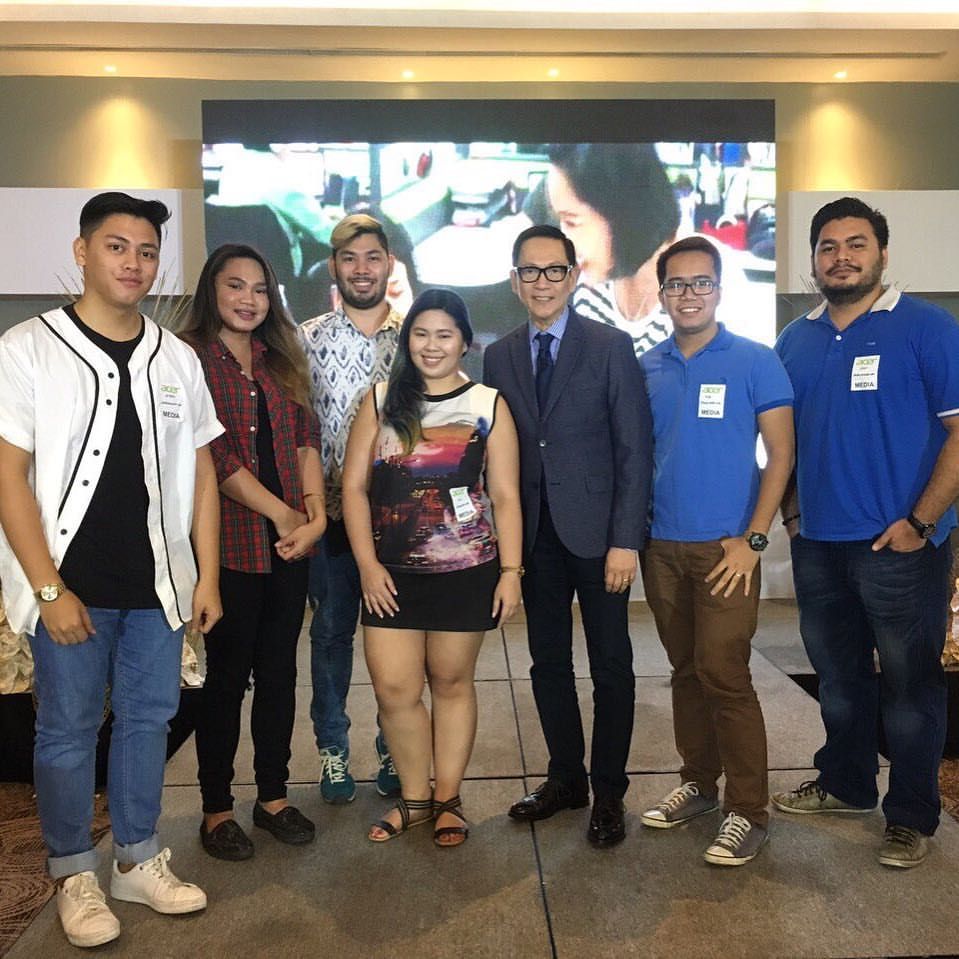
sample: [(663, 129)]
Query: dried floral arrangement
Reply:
[(950, 655), (16, 660)]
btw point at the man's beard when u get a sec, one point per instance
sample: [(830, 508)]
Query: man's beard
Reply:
[(841, 295), (374, 298)]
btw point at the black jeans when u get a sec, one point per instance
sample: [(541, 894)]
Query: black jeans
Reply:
[(262, 617), (553, 575)]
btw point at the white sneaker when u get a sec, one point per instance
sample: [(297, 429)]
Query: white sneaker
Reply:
[(84, 913), (152, 884)]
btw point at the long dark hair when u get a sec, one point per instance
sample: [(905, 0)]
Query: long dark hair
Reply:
[(627, 185), (284, 356), (404, 394)]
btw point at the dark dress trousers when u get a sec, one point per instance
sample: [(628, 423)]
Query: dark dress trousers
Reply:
[(585, 468)]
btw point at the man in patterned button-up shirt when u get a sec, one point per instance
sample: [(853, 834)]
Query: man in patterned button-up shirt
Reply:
[(349, 350)]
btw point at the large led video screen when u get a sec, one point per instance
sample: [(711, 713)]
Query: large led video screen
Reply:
[(454, 182)]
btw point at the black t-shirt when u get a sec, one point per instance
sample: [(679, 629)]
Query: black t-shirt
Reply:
[(109, 563)]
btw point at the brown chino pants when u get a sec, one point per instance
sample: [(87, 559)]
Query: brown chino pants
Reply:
[(717, 720)]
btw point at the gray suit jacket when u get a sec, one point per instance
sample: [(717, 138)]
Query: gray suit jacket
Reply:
[(593, 443)]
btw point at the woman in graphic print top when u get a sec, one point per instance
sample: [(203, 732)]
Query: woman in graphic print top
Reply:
[(435, 570)]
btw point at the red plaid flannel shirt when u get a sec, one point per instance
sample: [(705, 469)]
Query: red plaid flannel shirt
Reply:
[(244, 543)]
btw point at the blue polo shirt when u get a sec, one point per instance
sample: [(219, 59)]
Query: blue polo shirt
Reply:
[(869, 405), (705, 409)]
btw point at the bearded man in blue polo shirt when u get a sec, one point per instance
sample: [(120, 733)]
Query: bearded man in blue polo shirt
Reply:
[(712, 393), (876, 376)]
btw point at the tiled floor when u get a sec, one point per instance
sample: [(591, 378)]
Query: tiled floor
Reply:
[(518, 891)]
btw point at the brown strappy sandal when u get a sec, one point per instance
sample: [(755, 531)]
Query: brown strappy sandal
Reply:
[(454, 806), (405, 806)]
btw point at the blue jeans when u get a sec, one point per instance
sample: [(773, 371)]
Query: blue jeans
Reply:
[(852, 601), (138, 655), (334, 593)]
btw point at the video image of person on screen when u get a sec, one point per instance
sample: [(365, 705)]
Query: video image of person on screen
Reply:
[(618, 204)]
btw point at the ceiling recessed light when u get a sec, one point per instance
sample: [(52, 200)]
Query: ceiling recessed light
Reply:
[(408, 74), (840, 75), (110, 68), (552, 73)]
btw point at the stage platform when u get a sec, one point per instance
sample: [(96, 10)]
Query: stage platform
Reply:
[(515, 891)]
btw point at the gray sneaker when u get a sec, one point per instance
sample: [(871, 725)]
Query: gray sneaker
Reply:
[(810, 797), (903, 847), (737, 841), (682, 804)]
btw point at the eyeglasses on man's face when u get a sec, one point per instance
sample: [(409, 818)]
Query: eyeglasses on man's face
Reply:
[(700, 285), (555, 274)]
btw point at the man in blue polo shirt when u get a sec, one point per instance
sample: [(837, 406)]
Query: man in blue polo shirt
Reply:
[(876, 376), (712, 393)]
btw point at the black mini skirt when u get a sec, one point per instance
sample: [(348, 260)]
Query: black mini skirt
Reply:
[(457, 602)]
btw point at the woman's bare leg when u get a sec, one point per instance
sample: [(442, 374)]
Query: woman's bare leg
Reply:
[(396, 659), (451, 666)]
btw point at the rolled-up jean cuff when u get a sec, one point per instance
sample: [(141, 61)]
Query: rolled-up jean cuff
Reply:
[(62, 866), (137, 852)]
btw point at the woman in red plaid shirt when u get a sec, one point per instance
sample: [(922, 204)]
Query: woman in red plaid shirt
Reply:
[(271, 485)]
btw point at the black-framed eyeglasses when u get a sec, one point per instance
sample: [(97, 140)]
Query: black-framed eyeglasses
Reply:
[(555, 274), (700, 285)]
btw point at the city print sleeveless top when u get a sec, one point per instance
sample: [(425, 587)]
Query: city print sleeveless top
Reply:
[(429, 506)]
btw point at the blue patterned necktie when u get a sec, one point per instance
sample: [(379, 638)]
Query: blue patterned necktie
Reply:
[(544, 368)]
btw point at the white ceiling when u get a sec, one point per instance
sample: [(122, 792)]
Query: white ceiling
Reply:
[(628, 41)]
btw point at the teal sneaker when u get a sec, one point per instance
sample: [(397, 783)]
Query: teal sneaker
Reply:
[(336, 784), (387, 782)]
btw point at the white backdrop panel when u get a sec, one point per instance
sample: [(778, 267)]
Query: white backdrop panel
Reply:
[(39, 226)]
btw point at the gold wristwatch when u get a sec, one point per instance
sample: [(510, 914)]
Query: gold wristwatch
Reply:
[(50, 591)]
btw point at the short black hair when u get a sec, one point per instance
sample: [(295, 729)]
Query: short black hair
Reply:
[(550, 233), (845, 207), (689, 244), (627, 185), (99, 207)]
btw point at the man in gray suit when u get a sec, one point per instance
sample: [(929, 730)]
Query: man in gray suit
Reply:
[(578, 397)]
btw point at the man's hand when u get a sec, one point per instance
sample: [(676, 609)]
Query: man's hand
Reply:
[(900, 537), (737, 565), (66, 620), (621, 568), (207, 608)]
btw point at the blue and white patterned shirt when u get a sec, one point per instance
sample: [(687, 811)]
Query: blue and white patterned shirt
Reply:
[(344, 364)]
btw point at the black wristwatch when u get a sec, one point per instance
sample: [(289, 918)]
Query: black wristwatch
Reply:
[(925, 530), (757, 541)]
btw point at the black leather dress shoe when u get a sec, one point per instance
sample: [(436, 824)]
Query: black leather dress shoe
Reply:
[(607, 822), (226, 841), (547, 799), (289, 825)]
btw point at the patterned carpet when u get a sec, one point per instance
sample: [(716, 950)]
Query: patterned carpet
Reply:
[(24, 884)]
